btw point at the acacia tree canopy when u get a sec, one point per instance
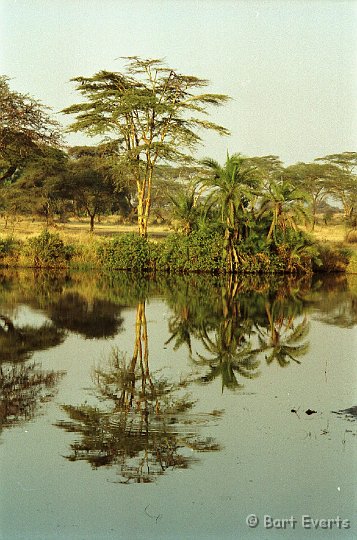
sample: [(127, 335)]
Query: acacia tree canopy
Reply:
[(153, 114), (25, 127), (344, 184), (90, 185), (314, 178)]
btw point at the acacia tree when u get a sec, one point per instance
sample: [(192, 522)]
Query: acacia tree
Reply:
[(35, 187), (152, 114), (25, 128), (91, 185), (344, 182), (314, 179)]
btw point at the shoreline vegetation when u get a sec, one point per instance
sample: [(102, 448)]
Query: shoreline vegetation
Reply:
[(32, 244), (248, 215)]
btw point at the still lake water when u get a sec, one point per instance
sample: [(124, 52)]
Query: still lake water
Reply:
[(174, 408)]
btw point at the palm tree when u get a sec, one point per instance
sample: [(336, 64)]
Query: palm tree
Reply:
[(186, 209), (231, 188), (285, 205)]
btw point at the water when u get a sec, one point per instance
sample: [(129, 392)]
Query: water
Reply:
[(176, 407)]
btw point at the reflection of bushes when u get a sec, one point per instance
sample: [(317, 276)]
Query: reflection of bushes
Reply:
[(22, 389), (18, 344), (92, 319)]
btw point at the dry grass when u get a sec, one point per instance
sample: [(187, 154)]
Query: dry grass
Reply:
[(76, 230), (328, 233)]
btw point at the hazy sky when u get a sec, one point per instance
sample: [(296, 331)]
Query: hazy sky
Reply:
[(290, 66)]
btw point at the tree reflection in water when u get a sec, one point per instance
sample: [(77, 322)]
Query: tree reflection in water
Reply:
[(23, 388), (147, 425), (18, 343), (281, 338), (93, 319), (250, 319), (229, 346)]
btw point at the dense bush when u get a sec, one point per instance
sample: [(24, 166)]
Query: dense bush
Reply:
[(126, 252), (8, 247), (332, 258), (200, 251), (48, 251), (295, 252)]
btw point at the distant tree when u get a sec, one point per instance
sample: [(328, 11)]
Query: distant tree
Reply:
[(186, 208), (267, 167), (170, 182), (36, 190), (87, 186), (91, 184), (344, 182), (313, 178), (25, 128), (147, 111)]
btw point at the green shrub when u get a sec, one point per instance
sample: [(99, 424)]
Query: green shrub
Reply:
[(8, 247), (49, 251), (126, 252), (332, 258), (200, 251), (197, 252)]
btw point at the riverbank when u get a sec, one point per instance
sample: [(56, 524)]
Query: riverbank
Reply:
[(116, 246)]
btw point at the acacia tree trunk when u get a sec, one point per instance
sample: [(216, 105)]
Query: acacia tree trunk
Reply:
[(142, 226), (144, 200), (313, 212), (91, 216)]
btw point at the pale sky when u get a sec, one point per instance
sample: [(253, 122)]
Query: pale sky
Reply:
[(289, 65)]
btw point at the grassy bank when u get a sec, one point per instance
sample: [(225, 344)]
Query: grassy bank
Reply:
[(335, 235), (114, 246)]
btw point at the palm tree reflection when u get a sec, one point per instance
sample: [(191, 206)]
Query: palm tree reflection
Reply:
[(281, 338), (147, 425), (247, 322), (229, 346)]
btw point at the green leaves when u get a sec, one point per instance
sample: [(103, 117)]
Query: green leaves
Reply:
[(25, 128), (148, 107)]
